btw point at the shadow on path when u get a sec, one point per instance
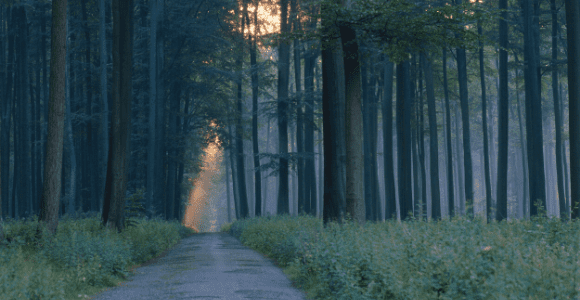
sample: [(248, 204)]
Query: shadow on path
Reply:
[(207, 266)]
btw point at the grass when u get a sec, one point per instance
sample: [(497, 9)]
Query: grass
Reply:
[(81, 260), (451, 259)]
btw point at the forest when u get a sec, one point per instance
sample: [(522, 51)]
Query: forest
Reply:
[(364, 111), (447, 108)]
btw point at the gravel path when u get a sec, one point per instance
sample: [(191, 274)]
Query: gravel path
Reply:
[(207, 266)]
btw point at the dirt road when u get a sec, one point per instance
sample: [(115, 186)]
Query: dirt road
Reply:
[(207, 266)]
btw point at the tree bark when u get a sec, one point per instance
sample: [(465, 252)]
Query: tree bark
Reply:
[(23, 176), (122, 94), (310, 170), (389, 170), (151, 157), (526, 202), (255, 91), (450, 186), (502, 161), (573, 36), (557, 115), (486, 171), (355, 202), (104, 122), (160, 157), (404, 140), (333, 110), (240, 163), (464, 100), (283, 75), (433, 141), (55, 132), (6, 123), (533, 110)]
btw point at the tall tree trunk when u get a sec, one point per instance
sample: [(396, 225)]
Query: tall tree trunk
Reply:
[(450, 186), (173, 138), (3, 185), (333, 110), (39, 150), (55, 132), (502, 162), (7, 95), (45, 71), (421, 144), (533, 110), (283, 75), (70, 198), (23, 105), (160, 157), (240, 163), (228, 199), (459, 167), (151, 153), (433, 140), (464, 100), (300, 168), (232, 150), (104, 124), (526, 202), (557, 115), (404, 139), (487, 177), (573, 35), (90, 179), (310, 190), (389, 169), (122, 94), (355, 202), (366, 107), (255, 91)]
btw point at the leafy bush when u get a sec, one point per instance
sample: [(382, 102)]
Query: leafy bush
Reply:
[(21, 277), (149, 238), (451, 259), (83, 257)]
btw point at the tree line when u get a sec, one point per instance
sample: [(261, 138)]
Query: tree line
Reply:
[(103, 99)]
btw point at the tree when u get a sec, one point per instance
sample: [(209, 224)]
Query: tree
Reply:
[(104, 126), (240, 165), (151, 150), (557, 115), (433, 140), (389, 169), (450, 187), (114, 202), (464, 100), (5, 141), (502, 163), (355, 202), (55, 135), (256, 152), (487, 176), (283, 75), (404, 139), (333, 111), (534, 132), (573, 36), (310, 170)]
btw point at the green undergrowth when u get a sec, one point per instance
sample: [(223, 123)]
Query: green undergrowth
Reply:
[(82, 259), (449, 259)]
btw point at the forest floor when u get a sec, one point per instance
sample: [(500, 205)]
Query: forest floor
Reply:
[(206, 266)]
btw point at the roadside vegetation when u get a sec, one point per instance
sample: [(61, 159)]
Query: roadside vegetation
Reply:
[(82, 259), (459, 258)]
